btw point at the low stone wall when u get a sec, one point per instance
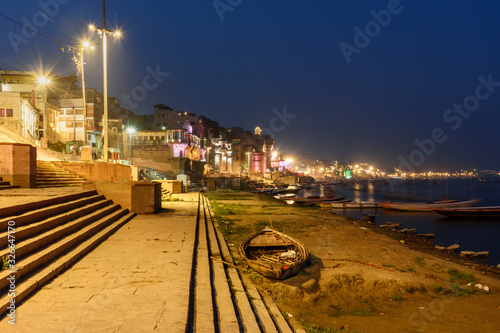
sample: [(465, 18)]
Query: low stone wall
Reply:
[(173, 186), (99, 171), (18, 164), (138, 197)]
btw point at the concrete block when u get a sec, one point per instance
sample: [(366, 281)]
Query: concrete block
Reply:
[(86, 153)]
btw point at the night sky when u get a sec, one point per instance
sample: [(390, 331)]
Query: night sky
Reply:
[(337, 80)]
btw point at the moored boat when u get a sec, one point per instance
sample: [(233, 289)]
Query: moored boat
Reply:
[(274, 254), (429, 207), (469, 212), (356, 205), (312, 200), (391, 205)]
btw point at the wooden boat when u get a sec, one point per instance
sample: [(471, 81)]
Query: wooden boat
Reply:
[(327, 204), (478, 212), (356, 205), (285, 196), (274, 254), (312, 200), (429, 207), (391, 205)]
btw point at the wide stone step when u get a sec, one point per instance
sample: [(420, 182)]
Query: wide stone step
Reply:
[(52, 173), (8, 187), (38, 279), (36, 222), (14, 212), (59, 179), (35, 260)]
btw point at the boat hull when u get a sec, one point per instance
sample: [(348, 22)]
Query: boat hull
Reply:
[(263, 251), (433, 206), (473, 212), (355, 205)]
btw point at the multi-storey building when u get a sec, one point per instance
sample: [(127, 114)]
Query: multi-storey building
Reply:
[(74, 124), (18, 115)]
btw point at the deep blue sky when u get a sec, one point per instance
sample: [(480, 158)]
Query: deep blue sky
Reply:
[(266, 55)]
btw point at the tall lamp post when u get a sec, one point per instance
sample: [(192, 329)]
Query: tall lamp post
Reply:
[(103, 32), (130, 131), (84, 47), (44, 81)]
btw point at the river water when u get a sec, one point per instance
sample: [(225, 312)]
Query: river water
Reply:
[(470, 234)]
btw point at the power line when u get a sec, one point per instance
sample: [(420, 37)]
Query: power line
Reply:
[(36, 32)]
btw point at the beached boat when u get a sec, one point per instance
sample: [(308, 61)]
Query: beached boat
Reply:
[(274, 254), (312, 200), (391, 205), (429, 207), (285, 196), (356, 205), (327, 204), (477, 212)]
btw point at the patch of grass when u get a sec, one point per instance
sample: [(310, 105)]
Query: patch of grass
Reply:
[(388, 266), (397, 297), (372, 308), (439, 289), (360, 313), (411, 269), (420, 261), (336, 313), (458, 291), (317, 329), (461, 277), (4, 263), (228, 209), (229, 196), (261, 224)]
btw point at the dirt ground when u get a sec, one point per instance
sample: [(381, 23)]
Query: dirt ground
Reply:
[(362, 278)]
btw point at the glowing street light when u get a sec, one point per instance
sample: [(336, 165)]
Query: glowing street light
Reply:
[(44, 81), (84, 47), (130, 131)]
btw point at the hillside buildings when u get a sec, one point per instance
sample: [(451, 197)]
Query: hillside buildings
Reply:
[(171, 141)]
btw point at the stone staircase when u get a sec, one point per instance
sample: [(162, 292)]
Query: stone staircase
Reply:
[(6, 185), (50, 175), (218, 300), (43, 240)]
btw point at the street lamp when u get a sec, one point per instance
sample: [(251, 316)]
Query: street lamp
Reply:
[(44, 81), (130, 131), (103, 32), (84, 47)]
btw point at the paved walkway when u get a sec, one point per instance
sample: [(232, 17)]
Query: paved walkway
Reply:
[(135, 281)]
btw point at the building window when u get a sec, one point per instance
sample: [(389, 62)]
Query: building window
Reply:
[(69, 125), (70, 112), (79, 124), (2, 112), (89, 137), (79, 111), (10, 113)]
